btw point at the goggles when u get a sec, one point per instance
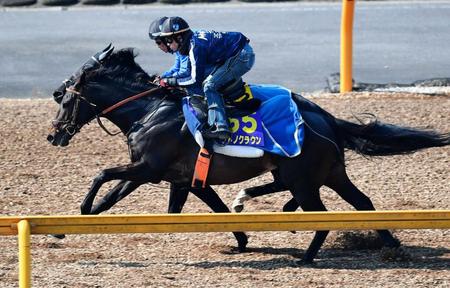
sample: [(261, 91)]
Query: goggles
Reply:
[(169, 40)]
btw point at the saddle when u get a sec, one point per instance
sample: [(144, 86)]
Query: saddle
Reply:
[(238, 101)]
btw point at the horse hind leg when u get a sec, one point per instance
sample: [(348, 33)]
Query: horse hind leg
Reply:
[(252, 192), (338, 181), (309, 200)]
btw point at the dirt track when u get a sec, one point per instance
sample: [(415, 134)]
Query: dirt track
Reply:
[(37, 178)]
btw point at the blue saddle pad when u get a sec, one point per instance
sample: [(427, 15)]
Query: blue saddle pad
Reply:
[(277, 126)]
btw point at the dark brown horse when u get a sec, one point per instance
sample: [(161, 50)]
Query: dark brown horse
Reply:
[(161, 148)]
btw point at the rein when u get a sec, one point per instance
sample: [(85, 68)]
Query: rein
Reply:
[(110, 108), (126, 100)]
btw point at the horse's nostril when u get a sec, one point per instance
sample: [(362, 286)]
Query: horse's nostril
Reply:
[(57, 93)]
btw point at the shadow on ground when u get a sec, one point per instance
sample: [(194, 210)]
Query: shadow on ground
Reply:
[(335, 258)]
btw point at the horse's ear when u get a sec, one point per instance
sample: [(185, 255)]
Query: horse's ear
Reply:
[(105, 53), (107, 47), (102, 55)]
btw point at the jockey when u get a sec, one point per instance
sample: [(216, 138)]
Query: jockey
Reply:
[(181, 68), (229, 53), (154, 32)]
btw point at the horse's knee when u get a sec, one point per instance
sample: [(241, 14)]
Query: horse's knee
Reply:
[(100, 177)]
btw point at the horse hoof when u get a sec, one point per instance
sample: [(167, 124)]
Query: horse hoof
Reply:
[(238, 208), (242, 241), (238, 203), (242, 247), (58, 236), (293, 232)]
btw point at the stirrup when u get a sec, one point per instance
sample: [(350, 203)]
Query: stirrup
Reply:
[(222, 133)]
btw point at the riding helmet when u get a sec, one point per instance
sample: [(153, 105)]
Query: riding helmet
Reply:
[(154, 31), (173, 26)]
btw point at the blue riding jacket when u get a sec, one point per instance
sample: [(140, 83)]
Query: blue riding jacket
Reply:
[(181, 70), (210, 49)]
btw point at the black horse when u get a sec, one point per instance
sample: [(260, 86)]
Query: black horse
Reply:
[(161, 147)]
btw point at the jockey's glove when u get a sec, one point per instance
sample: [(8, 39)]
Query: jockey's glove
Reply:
[(156, 79), (168, 82)]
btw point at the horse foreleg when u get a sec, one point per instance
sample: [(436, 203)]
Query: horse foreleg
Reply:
[(120, 191), (177, 198), (291, 206), (136, 172), (210, 198), (115, 195)]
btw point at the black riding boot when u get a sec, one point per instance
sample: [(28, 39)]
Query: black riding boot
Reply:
[(217, 119)]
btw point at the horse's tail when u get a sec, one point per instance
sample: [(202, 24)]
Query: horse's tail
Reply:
[(381, 139)]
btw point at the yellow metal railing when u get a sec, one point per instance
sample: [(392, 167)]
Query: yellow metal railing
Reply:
[(24, 233), (220, 222), (348, 7)]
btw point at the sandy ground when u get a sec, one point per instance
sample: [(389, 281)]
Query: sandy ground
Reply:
[(37, 178)]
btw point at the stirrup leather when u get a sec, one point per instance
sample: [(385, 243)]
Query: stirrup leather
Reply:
[(201, 169)]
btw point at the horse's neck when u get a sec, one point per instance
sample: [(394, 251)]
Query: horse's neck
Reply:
[(126, 115), (143, 110)]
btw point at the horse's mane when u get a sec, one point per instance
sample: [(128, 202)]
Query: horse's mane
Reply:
[(121, 68)]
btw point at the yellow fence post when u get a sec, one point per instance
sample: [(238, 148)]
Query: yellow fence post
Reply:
[(348, 7), (24, 234)]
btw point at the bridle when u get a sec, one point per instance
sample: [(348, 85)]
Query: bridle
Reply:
[(72, 128)]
